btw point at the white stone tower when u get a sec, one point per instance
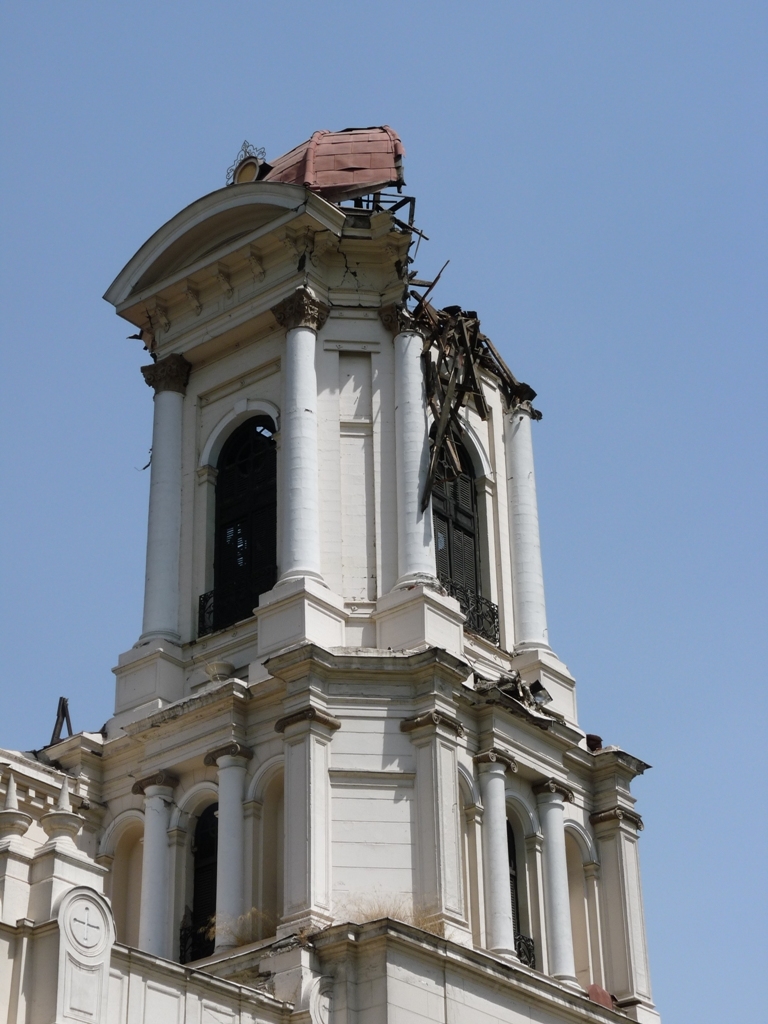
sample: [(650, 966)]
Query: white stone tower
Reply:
[(344, 781)]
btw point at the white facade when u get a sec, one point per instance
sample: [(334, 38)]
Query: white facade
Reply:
[(364, 763)]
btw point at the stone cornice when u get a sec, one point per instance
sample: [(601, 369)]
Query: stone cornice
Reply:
[(168, 374), (301, 309), (432, 719), (159, 778), (494, 755), (231, 749), (617, 814), (297, 661), (309, 714), (553, 786)]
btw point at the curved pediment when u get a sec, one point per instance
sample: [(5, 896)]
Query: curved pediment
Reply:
[(208, 226)]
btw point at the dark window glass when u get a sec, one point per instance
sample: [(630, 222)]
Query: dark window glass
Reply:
[(245, 554), (454, 515), (204, 853), (513, 878)]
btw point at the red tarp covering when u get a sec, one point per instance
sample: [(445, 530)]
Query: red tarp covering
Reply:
[(341, 165)]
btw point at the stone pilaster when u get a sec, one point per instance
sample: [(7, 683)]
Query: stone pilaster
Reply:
[(307, 734), (439, 883)]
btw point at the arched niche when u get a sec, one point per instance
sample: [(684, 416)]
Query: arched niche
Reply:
[(122, 841), (583, 892), (470, 820), (265, 801)]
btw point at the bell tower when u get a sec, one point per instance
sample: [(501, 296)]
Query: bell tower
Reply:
[(345, 776)]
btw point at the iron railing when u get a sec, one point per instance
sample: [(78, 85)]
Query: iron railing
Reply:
[(223, 607), (482, 614), (205, 617), (526, 950)]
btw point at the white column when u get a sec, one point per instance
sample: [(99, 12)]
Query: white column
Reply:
[(154, 910), (557, 906), (499, 925), (169, 378), (527, 577), (415, 541), (230, 868), (302, 315)]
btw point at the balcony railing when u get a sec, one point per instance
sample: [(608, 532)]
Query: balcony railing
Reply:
[(482, 614), (526, 950), (205, 616), (228, 604)]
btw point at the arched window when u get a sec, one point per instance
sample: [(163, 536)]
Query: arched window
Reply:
[(457, 547), (197, 939), (245, 543)]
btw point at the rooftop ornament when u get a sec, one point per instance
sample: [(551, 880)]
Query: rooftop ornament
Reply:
[(250, 165)]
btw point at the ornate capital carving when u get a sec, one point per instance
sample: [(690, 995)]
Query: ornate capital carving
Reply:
[(433, 719), (396, 318), (231, 749), (617, 814), (161, 778), (169, 374), (494, 756), (553, 786), (308, 715), (526, 407), (302, 309)]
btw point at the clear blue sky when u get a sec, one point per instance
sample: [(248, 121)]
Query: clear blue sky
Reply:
[(596, 173)]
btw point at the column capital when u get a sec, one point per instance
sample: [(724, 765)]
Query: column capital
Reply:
[(159, 778), (398, 320), (301, 309), (432, 719), (551, 788), (169, 374), (494, 756), (617, 814), (231, 749), (310, 714), (526, 407)]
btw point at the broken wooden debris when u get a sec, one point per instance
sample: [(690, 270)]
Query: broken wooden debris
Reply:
[(454, 350)]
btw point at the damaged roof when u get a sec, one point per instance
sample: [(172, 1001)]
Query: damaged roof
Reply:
[(343, 165)]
